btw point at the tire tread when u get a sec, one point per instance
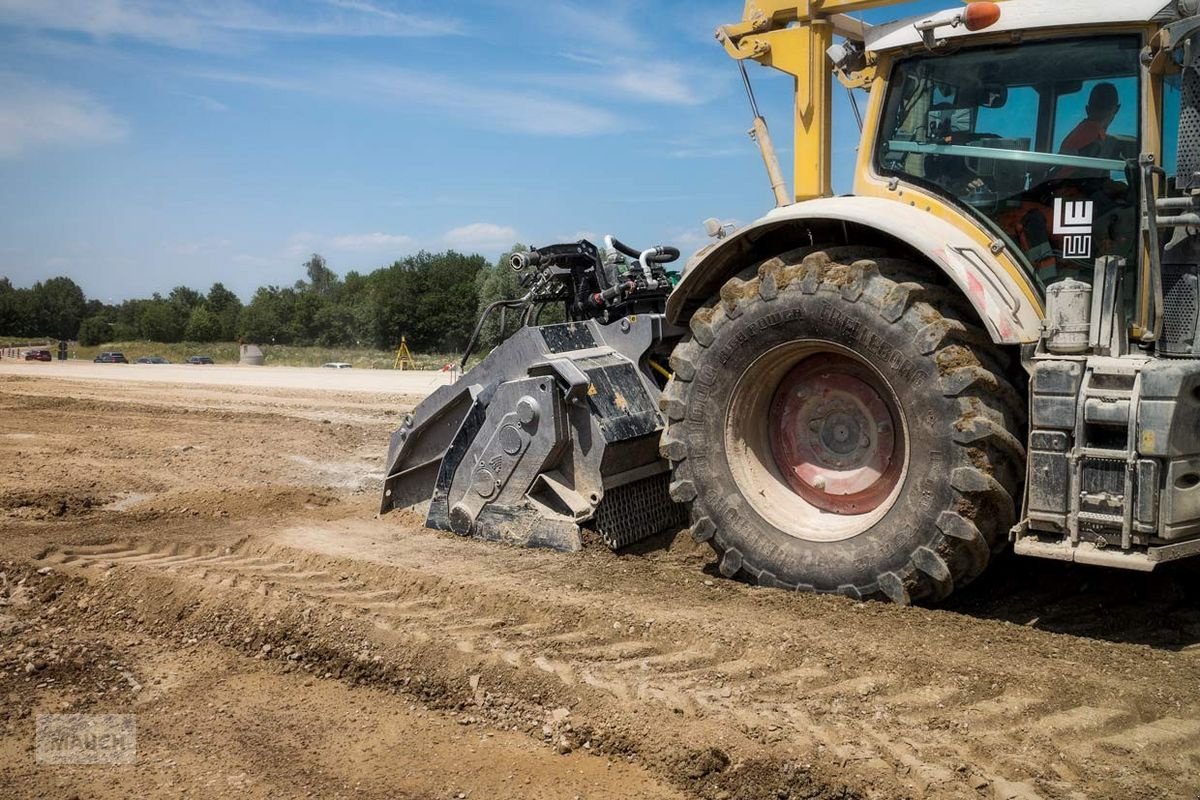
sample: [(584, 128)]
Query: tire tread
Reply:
[(986, 469)]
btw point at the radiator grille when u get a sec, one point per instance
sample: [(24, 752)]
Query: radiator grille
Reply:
[(1181, 304), (1188, 160), (635, 511)]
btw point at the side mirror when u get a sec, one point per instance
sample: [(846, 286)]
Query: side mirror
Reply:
[(944, 123)]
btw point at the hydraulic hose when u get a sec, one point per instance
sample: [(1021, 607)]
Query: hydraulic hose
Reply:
[(487, 312), (660, 254), (613, 243)]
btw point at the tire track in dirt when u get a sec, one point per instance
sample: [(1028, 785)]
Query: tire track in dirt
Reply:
[(936, 738)]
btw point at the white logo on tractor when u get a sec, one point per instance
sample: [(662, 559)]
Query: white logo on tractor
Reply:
[(1073, 222)]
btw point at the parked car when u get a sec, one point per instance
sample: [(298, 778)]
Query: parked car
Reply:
[(200, 360), (152, 360), (337, 365), (38, 355), (111, 358)]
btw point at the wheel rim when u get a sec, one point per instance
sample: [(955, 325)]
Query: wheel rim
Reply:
[(812, 412), (834, 435)]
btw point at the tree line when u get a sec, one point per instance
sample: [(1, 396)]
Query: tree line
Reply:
[(430, 298)]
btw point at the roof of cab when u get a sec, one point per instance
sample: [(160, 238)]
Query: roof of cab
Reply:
[(1031, 14)]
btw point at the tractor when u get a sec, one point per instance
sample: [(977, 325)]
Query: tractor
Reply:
[(991, 342)]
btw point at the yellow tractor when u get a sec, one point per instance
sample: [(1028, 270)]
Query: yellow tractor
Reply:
[(992, 340)]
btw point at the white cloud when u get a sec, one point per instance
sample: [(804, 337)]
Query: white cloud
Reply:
[(392, 244), (591, 236), (661, 82), (200, 25), (34, 114), (249, 260), (203, 100), (372, 242), (609, 43), (608, 26), (634, 78), (197, 247), (711, 152), (488, 107), (255, 79), (693, 237), (485, 236)]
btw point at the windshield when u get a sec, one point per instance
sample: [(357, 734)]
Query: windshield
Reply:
[(1032, 138)]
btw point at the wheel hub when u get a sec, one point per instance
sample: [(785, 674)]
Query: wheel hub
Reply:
[(833, 435)]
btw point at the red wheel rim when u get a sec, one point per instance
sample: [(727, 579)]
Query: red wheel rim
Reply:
[(834, 435)]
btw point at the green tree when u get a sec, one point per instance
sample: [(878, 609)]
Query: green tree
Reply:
[(321, 279), (203, 326), (220, 299), (302, 322), (15, 317), (430, 298), (58, 307), (336, 325), (185, 298), (355, 296), (124, 332), (161, 322), (264, 319), (226, 307), (94, 330), (498, 282)]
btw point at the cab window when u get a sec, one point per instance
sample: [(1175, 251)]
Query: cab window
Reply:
[(1033, 140), (1170, 126)]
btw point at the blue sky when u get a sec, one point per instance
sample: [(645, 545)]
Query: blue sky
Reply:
[(146, 144)]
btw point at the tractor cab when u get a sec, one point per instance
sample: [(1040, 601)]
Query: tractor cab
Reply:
[(1033, 140)]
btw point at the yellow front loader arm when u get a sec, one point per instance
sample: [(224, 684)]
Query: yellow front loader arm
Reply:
[(793, 36)]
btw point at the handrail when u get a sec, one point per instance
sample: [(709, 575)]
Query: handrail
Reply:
[(998, 154)]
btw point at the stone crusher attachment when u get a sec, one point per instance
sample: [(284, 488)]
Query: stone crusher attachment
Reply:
[(559, 425)]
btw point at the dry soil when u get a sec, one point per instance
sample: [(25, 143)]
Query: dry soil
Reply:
[(208, 558)]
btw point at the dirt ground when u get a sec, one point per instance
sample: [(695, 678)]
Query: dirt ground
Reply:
[(209, 559)]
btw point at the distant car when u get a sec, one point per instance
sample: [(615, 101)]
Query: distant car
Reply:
[(336, 365), (38, 355), (200, 360), (111, 358), (152, 360)]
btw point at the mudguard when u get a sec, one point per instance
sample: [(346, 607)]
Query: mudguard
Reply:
[(1006, 300)]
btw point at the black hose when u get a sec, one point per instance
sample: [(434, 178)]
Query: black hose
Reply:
[(663, 254), (479, 326), (621, 247)]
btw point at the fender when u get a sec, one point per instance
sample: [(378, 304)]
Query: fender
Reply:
[(1006, 300)]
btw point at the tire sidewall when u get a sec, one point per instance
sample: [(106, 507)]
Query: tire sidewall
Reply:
[(928, 421)]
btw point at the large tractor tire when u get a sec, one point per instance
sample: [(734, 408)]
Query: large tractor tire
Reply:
[(836, 425)]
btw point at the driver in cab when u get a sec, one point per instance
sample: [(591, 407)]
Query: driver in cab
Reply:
[(1088, 137), (1031, 223)]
